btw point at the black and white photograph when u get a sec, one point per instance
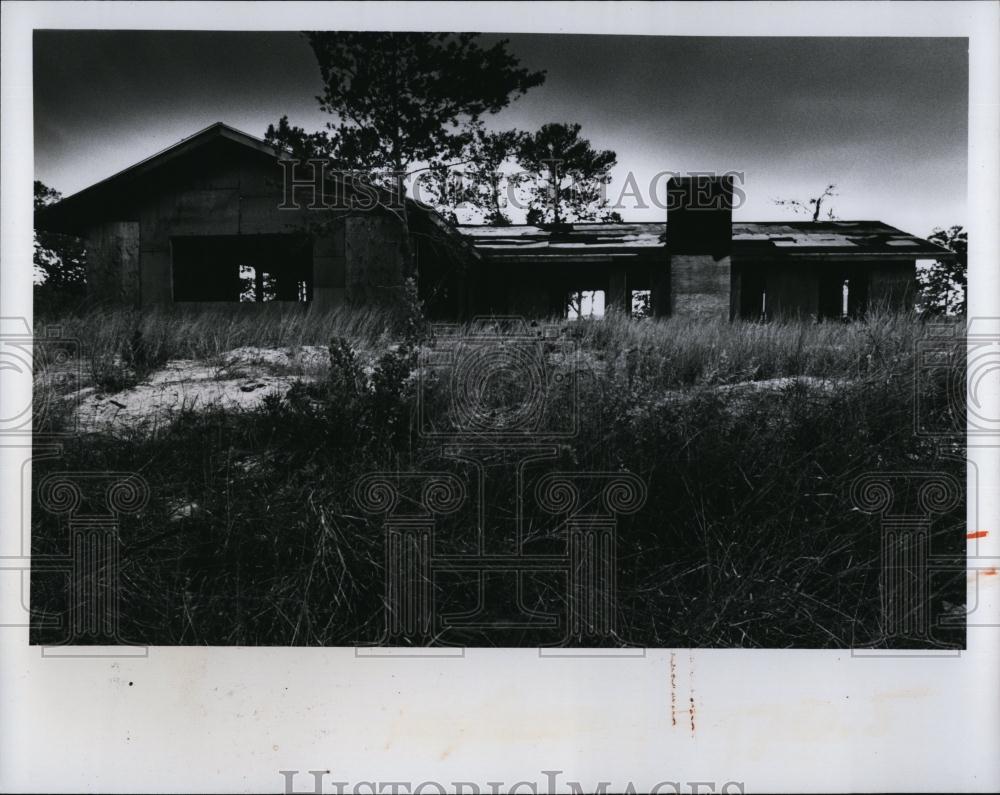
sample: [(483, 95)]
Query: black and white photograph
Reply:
[(466, 353), (425, 341)]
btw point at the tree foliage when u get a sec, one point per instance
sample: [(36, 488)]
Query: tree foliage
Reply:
[(566, 175), (353, 151), (402, 98), (943, 284), (480, 184), (812, 207), (59, 260)]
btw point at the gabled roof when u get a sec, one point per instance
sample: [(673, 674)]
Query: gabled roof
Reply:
[(579, 241), (72, 213), (219, 130), (66, 214), (796, 239)]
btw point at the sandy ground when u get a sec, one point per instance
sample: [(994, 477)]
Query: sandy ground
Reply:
[(240, 381), (241, 378)]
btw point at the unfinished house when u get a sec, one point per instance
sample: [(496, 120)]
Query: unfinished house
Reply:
[(209, 220), (699, 263)]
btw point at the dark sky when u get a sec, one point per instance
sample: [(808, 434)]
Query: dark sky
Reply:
[(883, 118)]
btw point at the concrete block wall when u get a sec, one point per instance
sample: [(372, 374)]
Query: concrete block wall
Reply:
[(700, 285), (699, 241)]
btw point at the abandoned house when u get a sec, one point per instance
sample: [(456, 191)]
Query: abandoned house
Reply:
[(206, 221)]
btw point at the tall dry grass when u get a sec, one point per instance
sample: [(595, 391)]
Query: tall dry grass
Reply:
[(207, 332), (676, 352), (748, 536), (669, 353)]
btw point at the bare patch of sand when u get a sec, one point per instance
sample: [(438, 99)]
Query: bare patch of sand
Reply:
[(303, 358), (241, 381)]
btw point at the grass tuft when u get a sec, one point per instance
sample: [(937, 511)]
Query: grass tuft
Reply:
[(748, 437)]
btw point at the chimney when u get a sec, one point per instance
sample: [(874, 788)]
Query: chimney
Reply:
[(699, 242)]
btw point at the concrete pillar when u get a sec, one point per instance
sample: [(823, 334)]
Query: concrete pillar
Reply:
[(329, 272), (617, 297), (659, 289), (699, 242)]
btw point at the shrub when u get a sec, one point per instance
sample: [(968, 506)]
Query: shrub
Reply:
[(748, 437)]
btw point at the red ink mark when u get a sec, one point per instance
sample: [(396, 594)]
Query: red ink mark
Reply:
[(977, 534), (673, 689), (691, 691), (990, 572)]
